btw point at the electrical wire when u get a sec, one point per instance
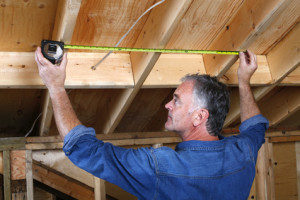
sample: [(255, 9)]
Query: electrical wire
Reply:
[(33, 125), (122, 38)]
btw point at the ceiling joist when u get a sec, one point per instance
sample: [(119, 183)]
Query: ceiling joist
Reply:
[(241, 31)]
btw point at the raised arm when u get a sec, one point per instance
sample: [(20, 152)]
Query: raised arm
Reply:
[(248, 65), (54, 77)]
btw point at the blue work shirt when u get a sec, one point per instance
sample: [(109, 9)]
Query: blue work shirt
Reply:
[(222, 169)]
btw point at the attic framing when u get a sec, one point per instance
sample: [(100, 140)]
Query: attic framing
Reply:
[(109, 97)]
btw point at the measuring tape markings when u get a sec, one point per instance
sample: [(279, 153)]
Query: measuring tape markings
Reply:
[(150, 50)]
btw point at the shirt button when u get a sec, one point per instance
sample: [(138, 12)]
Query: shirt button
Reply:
[(67, 152)]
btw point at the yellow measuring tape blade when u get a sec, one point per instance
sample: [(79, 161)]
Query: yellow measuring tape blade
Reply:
[(101, 48)]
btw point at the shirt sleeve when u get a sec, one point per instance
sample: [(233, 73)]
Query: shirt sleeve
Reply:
[(254, 130), (131, 169)]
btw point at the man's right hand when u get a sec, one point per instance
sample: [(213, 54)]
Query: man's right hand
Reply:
[(53, 76)]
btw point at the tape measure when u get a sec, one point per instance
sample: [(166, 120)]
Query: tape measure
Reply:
[(53, 50), (102, 48)]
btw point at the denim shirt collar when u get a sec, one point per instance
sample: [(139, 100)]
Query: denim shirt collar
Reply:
[(201, 145)]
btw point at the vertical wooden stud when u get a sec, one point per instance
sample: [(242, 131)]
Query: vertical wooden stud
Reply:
[(29, 178), (6, 173)]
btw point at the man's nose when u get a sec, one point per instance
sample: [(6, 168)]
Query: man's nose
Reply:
[(168, 105)]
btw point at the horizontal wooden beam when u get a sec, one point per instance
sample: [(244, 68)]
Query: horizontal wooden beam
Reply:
[(19, 70)]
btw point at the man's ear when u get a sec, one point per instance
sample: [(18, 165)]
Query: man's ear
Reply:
[(200, 116)]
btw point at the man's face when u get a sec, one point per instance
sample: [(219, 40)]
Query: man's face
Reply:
[(179, 115)]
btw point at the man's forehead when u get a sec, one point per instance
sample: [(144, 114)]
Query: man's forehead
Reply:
[(184, 87)]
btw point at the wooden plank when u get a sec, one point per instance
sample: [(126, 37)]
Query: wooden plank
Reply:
[(283, 133), (99, 189), (270, 166), (176, 64), (297, 150), (12, 143), (277, 58), (261, 76), (293, 79), (241, 31), (23, 72), (261, 174), (285, 171), (65, 20), (25, 23), (122, 142), (47, 115), (29, 177), (285, 139), (234, 111), (289, 49), (61, 183), (283, 104), (18, 165), (56, 160), (156, 33), (278, 28), (105, 22), (201, 23), (6, 174)]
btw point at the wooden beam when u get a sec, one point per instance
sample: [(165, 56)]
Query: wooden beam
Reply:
[(29, 177), (284, 103), (6, 175), (297, 150), (25, 23), (47, 115), (65, 20), (285, 21), (240, 32), (293, 79), (264, 173), (99, 189), (156, 33), (261, 76), (285, 56), (18, 165), (66, 16), (23, 72), (176, 64), (61, 183), (56, 160), (234, 111)]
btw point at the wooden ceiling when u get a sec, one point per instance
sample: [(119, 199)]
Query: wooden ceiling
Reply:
[(128, 91)]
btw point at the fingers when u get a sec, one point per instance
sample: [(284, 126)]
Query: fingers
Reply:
[(40, 57), (247, 58)]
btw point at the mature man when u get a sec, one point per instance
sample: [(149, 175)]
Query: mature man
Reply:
[(204, 166)]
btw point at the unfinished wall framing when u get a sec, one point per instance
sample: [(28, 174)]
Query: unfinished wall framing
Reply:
[(124, 98)]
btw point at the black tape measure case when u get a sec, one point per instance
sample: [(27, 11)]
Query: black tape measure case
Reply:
[(52, 50)]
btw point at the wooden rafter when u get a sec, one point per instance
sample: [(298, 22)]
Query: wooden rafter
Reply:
[(283, 104), (156, 33), (286, 54), (66, 15), (240, 32)]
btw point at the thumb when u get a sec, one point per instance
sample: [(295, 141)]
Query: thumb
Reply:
[(242, 58)]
